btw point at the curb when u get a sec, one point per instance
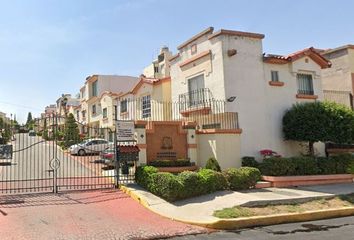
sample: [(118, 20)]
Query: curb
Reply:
[(237, 223)]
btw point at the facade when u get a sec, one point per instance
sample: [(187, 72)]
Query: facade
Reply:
[(159, 68), (230, 65), (338, 81)]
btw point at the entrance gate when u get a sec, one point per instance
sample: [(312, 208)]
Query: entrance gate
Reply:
[(61, 154)]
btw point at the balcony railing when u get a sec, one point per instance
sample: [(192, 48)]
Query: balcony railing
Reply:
[(196, 99), (305, 92)]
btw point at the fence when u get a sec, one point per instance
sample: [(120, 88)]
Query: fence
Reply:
[(343, 97), (206, 113)]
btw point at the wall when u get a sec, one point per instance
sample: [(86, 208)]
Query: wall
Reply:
[(224, 147)]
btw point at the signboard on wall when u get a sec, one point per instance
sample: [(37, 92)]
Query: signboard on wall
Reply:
[(125, 131), (5, 151)]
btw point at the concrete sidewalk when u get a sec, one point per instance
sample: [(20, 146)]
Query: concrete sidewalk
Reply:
[(200, 209)]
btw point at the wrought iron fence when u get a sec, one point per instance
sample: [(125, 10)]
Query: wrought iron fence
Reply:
[(207, 113)]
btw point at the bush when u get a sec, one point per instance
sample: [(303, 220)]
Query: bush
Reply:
[(212, 181), (192, 183), (305, 165), (351, 167), (166, 185), (171, 163), (242, 178), (249, 162), (326, 165), (143, 175), (39, 134), (213, 164), (277, 167), (342, 162)]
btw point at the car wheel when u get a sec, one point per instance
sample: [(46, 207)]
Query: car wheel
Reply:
[(81, 152)]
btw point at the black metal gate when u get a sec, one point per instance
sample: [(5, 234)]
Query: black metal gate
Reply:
[(61, 154)]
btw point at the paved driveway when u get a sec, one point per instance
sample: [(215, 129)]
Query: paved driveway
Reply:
[(105, 214)]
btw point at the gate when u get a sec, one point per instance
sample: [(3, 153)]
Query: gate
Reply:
[(61, 154)]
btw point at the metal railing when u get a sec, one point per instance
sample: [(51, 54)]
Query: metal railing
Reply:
[(207, 114)]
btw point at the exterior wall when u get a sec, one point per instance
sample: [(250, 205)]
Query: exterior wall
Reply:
[(338, 77), (108, 101), (224, 147)]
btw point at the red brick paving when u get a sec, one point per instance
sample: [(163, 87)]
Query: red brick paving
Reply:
[(106, 214)]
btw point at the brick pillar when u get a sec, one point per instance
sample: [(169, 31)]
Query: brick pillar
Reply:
[(191, 141), (140, 137)]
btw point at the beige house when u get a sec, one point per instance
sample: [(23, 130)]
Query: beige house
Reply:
[(159, 68), (338, 81), (230, 65)]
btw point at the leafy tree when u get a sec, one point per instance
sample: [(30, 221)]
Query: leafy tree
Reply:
[(30, 121), (71, 131), (319, 121)]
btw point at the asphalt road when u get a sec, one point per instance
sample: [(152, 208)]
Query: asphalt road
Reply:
[(30, 168), (338, 228)]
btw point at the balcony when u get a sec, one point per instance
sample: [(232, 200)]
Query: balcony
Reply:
[(195, 101)]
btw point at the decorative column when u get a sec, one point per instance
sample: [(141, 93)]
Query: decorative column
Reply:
[(191, 141), (140, 137)]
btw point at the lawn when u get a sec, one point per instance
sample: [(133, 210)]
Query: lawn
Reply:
[(319, 204)]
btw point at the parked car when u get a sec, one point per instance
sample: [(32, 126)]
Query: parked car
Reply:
[(90, 146), (32, 133)]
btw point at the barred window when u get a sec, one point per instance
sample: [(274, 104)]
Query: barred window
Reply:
[(275, 76), (124, 106), (305, 84), (146, 106)]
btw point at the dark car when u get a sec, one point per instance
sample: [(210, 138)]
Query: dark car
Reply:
[(32, 133)]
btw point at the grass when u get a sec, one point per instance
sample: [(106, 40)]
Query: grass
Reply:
[(319, 204)]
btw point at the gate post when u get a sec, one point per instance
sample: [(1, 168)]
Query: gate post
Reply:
[(116, 158), (140, 137)]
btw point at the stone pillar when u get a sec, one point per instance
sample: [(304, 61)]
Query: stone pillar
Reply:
[(191, 141), (140, 137)]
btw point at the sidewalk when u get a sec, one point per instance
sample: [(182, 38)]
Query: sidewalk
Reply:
[(199, 210)]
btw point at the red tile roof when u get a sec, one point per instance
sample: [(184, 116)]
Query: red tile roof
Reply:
[(128, 149), (311, 52)]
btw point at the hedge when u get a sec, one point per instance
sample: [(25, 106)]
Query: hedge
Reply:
[(338, 164), (242, 178), (171, 163), (249, 162), (213, 164), (190, 184)]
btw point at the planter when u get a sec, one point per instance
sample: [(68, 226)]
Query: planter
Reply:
[(177, 169), (291, 181)]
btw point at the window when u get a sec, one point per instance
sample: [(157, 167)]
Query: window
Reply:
[(305, 85), (194, 49), (275, 76), (156, 69), (146, 106), (83, 114), (94, 109), (124, 106), (78, 115), (115, 112), (104, 113), (195, 90), (94, 89)]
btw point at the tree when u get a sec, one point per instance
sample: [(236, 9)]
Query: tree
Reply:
[(319, 121), (71, 131), (29, 122)]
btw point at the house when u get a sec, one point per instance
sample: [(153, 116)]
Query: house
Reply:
[(90, 98), (159, 68), (338, 81), (230, 66)]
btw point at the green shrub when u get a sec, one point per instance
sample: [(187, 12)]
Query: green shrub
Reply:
[(277, 167), (305, 165), (143, 175), (192, 183), (343, 162), (351, 167), (166, 185), (242, 178), (212, 181), (213, 164), (249, 162), (171, 163), (326, 165), (39, 134)]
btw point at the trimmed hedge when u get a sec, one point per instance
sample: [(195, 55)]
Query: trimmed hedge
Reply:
[(249, 162), (171, 163), (242, 178), (190, 184), (338, 164)]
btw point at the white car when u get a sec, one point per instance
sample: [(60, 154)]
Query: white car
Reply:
[(90, 146)]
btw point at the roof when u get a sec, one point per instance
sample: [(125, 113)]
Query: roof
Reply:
[(128, 149), (195, 37), (152, 81), (310, 52), (348, 46), (236, 33)]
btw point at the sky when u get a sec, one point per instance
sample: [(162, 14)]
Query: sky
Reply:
[(49, 47)]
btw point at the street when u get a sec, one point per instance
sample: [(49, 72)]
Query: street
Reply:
[(338, 228), (30, 168)]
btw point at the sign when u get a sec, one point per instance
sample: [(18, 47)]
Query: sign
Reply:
[(5, 151), (125, 131)]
